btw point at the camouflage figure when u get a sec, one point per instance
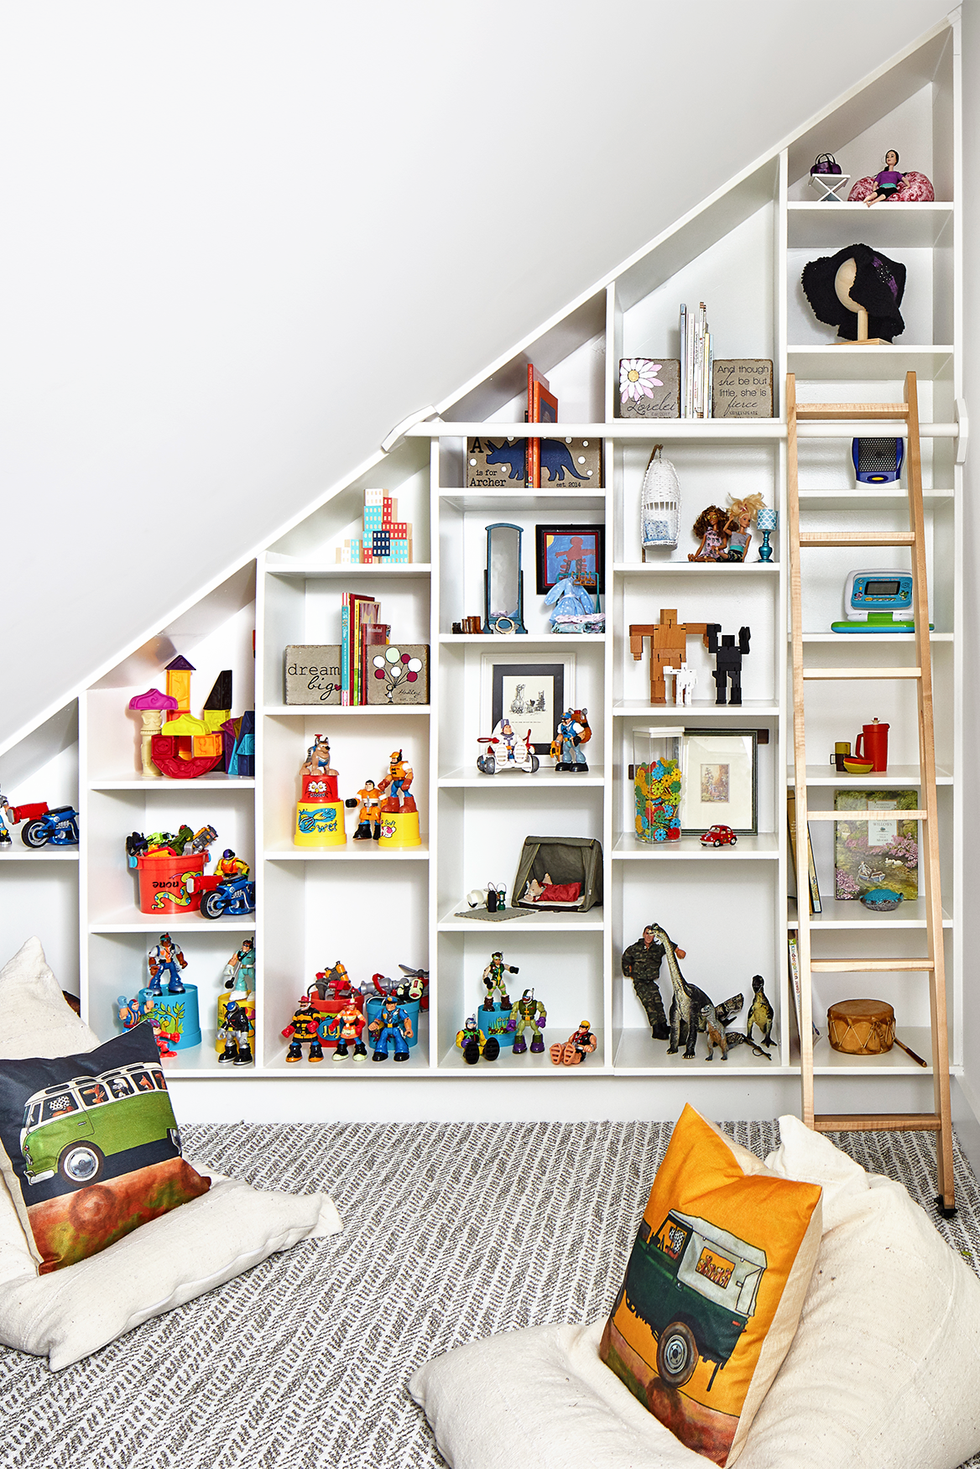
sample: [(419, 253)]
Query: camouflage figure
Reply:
[(641, 963)]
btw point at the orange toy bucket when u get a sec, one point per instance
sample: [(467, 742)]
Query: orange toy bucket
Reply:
[(162, 885)]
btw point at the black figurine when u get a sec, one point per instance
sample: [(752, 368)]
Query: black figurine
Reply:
[(728, 661), (760, 1012)]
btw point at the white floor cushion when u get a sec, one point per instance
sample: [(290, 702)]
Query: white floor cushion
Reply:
[(883, 1373)]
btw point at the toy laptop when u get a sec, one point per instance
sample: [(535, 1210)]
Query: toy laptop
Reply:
[(877, 461), (877, 601)]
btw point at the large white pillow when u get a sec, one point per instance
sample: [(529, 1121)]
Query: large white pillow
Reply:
[(883, 1373), (72, 1312)]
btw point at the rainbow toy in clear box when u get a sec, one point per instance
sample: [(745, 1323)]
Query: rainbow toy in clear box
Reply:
[(657, 784)]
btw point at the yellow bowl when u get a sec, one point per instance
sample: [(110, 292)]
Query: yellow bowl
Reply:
[(858, 767)]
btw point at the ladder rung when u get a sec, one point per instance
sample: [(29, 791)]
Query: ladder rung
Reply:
[(851, 410), (858, 538), (868, 966), (880, 1122), (844, 815), (831, 673)]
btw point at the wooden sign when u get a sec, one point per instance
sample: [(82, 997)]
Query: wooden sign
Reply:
[(313, 674), (649, 387), (495, 464), (741, 387), (565, 463)]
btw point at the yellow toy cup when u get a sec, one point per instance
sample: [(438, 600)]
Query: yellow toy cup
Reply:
[(399, 829), (319, 824)]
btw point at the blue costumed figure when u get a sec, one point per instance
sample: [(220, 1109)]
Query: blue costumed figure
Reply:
[(393, 1025), (166, 961)]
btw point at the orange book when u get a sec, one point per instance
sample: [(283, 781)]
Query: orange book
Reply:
[(535, 384)]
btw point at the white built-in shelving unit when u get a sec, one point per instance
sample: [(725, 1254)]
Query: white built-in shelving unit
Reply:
[(742, 252)]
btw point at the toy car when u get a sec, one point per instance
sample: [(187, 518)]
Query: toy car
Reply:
[(719, 836)]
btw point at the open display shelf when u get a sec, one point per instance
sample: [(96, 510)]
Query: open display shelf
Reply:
[(741, 252)]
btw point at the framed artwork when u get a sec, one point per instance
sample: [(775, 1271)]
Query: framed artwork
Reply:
[(531, 695), (718, 780), (570, 550)]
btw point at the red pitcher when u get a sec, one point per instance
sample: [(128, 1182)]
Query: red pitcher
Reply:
[(872, 744)]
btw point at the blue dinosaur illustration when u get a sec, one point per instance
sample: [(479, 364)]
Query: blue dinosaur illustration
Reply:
[(555, 458), (512, 454)]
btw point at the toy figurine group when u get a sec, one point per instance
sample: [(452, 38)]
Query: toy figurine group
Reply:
[(502, 1022), (725, 534), (174, 1021), (692, 1013), (668, 652), (335, 1013), (386, 811)]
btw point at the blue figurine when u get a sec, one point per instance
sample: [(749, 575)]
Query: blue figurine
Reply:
[(393, 1024), (572, 733), (166, 961)]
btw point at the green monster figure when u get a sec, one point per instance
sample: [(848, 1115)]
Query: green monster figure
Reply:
[(493, 980), (527, 1014)]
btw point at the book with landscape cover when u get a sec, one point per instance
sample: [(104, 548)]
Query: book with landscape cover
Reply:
[(881, 853)]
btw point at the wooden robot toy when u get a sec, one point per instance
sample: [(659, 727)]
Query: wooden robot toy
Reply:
[(668, 647)]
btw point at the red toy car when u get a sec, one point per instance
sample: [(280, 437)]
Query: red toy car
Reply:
[(719, 836)]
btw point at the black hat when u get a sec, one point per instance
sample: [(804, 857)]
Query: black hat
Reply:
[(879, 286)]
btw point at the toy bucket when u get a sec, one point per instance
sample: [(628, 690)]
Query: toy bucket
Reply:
[(319, 824), (328, 1008), (162, 885), (399, 829), (411, 1008)]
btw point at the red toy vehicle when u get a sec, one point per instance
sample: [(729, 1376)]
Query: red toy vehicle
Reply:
[(719, 836)]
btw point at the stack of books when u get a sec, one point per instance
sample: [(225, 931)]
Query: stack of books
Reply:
[(696, 361), (360, 631)]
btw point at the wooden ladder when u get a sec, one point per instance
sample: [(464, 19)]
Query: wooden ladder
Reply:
[(938, 1120)]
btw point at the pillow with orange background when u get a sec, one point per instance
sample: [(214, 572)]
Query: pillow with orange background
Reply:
[(714, 1288)]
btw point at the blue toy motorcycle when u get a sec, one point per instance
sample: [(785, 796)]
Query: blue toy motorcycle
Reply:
[(59, 827), (233, 897)]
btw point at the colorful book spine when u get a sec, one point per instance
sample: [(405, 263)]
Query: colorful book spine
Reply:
[(682, 336), (345, 647)]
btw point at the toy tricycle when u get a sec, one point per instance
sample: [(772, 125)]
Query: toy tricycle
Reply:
[(504, 751), (59, 827), (220, 897)]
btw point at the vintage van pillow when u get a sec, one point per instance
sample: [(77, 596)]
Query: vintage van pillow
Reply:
[(714, 1288), (89, 1147)]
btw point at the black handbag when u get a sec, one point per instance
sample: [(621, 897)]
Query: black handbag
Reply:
[(826, 163)]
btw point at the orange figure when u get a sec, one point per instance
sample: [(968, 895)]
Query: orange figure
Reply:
[(668, 647), (396, 784)]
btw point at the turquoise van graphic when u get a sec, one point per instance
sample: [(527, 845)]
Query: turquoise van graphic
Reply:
[(695, 1286), (70, 1129)]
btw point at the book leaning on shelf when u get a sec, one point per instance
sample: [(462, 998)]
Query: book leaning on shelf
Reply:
[(794, 984), (815, 904), (696, 362)]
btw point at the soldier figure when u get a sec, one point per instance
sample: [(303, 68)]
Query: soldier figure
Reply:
[(641, 963)]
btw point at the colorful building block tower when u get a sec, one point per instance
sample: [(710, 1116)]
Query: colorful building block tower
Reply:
[(384, 540)]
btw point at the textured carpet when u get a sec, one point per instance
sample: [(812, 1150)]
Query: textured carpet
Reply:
[(451, 1232)]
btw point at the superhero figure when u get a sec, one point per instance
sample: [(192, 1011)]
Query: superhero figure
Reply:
[(304, 1026), (397, 783), (165, 959), (474, 1044), (368, 803), (527, 1014), (347, 1025), (493, 979), (235, 1033), (574, 1051), (393, 1024), (231, 866)]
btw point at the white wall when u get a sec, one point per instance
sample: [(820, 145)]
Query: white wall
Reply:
[(242, 240)]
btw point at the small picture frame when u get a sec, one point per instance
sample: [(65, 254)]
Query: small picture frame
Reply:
[(570, 550), (719, 781), (531, 695)]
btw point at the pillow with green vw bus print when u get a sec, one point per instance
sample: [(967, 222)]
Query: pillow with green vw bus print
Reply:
[(89, 1147)]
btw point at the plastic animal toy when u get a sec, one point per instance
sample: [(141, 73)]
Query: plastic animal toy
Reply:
[(397, 784), (304, 1028), (166, 961), (494, 981), (728, 661), (641, 963), (739, 1038), (691, 1010), (711, 527), (580, 1043), (668, 647), (714, 1031), (348, 1025), (527, 1014), (368, 803), (392, 1026), (761, 1012), (236, 1034), (573, 732), (505, 751), (474, 1044)]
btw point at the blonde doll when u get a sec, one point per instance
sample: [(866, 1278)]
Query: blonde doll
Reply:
[(741, 514)]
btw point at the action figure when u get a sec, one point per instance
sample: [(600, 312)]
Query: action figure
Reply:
[(728, 660), (236, 1033), (240, 969), (304, 1026), (527, 1014), (393, 1024), (397, 784), (5, 838), (493, 980), (317, 760), (229, 866), (474, 1044), (761, 1012), (668, 640), (165, 959), (711, 527), (368, 803), (886, 182), (347, 1025), (134, 1012), (573, 732), (641, 963), (574, 1051)]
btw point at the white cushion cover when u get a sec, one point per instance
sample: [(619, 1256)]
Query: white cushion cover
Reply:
[(74, 1311), (883, 1373)]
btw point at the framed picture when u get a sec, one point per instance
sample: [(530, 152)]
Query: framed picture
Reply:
[(531, 695), (718, 780), (570, 550)]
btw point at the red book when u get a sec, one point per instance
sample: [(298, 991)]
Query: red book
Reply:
[(376, 635), (542, 406)]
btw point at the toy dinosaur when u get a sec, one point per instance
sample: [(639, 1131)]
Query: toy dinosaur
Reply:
[(760, 1012), (691, 1010)]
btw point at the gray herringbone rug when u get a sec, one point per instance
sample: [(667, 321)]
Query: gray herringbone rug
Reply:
[(451, 1232)]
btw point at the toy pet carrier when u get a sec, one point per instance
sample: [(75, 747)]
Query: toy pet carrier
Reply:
[(659, 502), (552, 867)]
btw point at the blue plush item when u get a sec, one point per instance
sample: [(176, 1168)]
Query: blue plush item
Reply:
[(881, 900), (569, 599)]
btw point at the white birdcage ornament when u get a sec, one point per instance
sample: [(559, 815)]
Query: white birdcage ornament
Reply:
[(659, 502)]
